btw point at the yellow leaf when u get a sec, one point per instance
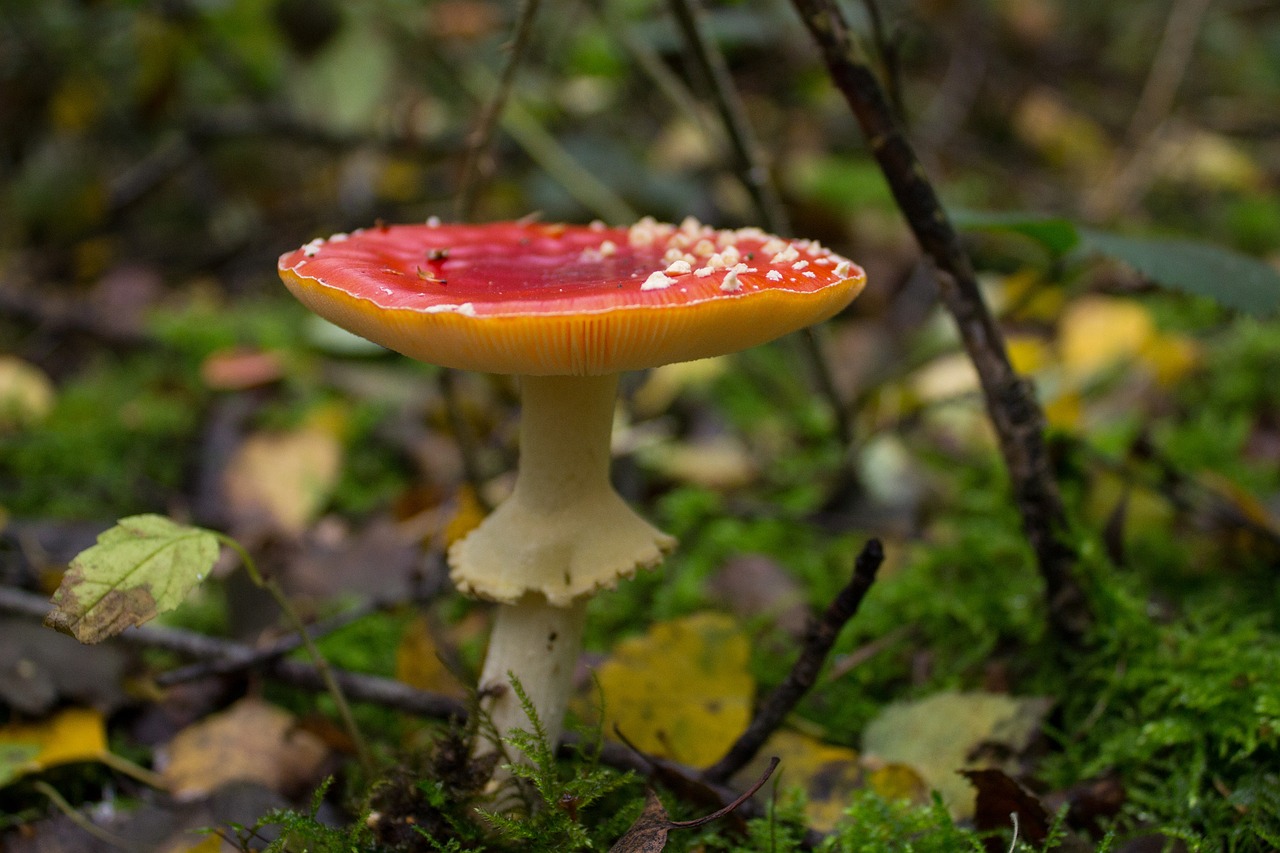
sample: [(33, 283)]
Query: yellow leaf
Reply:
[(466, 516), (1061, 135), (829, 774), (26, 394), (250, 741), (682, 690), (1171, 358), (1027, 353), (418, 663), (1096, 332), (898, 782), (1064, 411), (1027, 296), (664, 384), (211, 844), (285, 476), (76, 734)]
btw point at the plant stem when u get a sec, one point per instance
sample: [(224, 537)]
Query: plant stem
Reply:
[(320, 661), (79, 819)]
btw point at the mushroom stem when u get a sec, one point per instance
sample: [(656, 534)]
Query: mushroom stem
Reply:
[(538, 644), (561, 535)]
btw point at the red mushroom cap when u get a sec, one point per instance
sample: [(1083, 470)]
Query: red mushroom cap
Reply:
[(528, 298)]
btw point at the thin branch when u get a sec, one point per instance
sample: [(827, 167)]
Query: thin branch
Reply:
[(482, 137), (648, 60), (888, 54), (261, 655), (1010, 399), (357, 686), (462, 437), (821, 637), (754, 174), (742, 142)]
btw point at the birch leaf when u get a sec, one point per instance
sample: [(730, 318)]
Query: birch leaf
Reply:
[(144, 566)]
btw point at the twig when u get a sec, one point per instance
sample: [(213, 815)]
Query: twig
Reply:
[(357, 686), (1169, 66), (888, 54), (648, 60), (754, 174), (462, 437), (821, 636), (256, 657), (1126, 177), (1010, 400), (482, 137), (742, 142)]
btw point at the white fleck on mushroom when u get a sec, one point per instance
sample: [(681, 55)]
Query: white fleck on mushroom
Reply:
[(680, 267), (657, 281), (730, 283), (773, 275)]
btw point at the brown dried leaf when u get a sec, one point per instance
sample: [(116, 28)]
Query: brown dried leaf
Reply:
[(250, 741)]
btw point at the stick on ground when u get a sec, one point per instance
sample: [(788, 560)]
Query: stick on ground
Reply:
[(820, 638)]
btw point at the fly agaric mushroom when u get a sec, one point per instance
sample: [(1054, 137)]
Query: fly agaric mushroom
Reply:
[(566, 308)]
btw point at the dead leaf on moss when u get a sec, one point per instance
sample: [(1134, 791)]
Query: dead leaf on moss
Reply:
[(682, 690), (283, 479), (938, 735), (250, 741), (828, 773), (418, 662)]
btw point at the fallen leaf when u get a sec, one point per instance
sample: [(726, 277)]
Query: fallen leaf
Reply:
[(664, 384), (898, 782), (26, 394), (250, 741), (648, 834), (1096, 332), (418, 662), (1000, 801), (682, 690), (829, 774), (938, 735), (144, 566), (73, 735), (239, 369), (720, 462), (283, 479)]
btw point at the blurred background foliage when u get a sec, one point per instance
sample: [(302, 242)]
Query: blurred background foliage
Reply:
[(157, 157)]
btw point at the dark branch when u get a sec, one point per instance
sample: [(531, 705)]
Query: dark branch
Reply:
[(804, 673), (1010, 400)]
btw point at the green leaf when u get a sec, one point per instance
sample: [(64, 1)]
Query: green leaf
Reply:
[(1227, 277), (142, 567), (1057, 235)]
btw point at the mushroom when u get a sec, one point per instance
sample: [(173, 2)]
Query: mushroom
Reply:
[(566, 308)]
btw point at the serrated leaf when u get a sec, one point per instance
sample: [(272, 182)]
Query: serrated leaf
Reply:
[(1229, 278), (144, 566)]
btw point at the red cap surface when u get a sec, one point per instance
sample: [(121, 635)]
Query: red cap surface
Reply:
[(536, 299)]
